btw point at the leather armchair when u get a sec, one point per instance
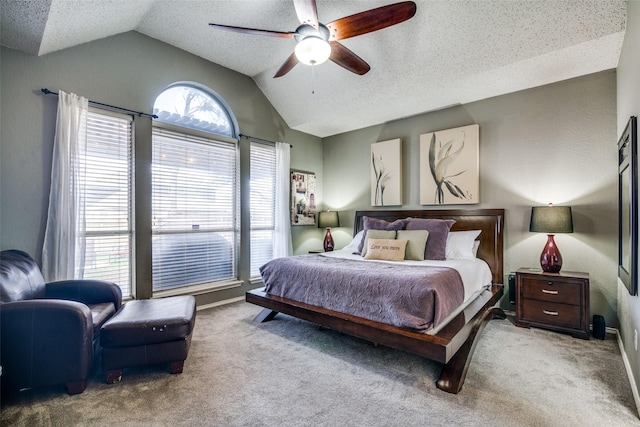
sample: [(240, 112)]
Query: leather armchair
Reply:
[(50, 331)]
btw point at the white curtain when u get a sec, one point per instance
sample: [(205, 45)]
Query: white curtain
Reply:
[(64, 240), (282, 245)]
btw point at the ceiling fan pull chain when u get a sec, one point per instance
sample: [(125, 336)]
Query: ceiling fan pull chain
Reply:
[(313, 80)]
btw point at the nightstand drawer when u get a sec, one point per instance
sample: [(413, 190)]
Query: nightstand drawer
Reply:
[(558, 301), (556, 291), (543, 312)]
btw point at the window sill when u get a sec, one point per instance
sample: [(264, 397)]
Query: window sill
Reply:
[(199, 289), (256, 281)]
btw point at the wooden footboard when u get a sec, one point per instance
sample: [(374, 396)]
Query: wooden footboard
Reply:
[(453, 345)]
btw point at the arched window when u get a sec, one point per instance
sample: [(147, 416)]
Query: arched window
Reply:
[(193, 107), (195, 189)]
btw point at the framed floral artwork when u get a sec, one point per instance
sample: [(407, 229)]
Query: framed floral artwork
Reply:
[(449, 166), (303, 198), (386, 173)]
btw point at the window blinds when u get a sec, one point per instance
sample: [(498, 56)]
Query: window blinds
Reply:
[(108, 198), (262, 204), (194, 205)]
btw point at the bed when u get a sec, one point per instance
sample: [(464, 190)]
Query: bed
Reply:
[(454, 342)]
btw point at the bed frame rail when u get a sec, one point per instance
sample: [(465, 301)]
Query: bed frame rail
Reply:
[(455, 343)]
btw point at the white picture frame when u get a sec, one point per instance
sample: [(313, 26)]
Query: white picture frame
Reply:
[(386, 173), (449, 166)]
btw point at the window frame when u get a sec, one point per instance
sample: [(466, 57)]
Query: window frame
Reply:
[(233, 122), (215, 285)]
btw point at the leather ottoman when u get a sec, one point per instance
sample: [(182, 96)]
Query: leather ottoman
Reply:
[(148, 332)]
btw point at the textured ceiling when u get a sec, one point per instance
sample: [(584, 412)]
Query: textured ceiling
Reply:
[(449, 53)]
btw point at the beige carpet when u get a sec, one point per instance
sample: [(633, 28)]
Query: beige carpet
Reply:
[(290, 373)]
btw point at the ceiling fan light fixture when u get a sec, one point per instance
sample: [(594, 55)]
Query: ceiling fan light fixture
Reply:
[(312, 50)]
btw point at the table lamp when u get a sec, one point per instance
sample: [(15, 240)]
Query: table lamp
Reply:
[(327, 220), (551, 219)]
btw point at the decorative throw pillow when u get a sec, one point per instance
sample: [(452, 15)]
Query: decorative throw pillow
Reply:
[(377, 234), (438, 230), (460, 244), (386, 249), (416, 241), (378, 224)]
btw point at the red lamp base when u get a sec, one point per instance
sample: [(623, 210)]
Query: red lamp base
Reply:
[(328, 241), (550, 259)]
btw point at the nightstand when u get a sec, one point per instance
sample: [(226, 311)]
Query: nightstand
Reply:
[(556, 301)]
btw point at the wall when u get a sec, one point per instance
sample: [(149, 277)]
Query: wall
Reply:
[(308, 157), (127, 70), (549, 144), (629, 105), (555, 143)]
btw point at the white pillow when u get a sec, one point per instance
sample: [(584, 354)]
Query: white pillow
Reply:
[(460, 244), (353, 244), (476, 245)]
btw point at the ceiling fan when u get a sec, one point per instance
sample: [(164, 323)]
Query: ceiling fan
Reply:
[(318, 42)]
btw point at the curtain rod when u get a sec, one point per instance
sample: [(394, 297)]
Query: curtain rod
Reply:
[(113, 107), (254, 139)]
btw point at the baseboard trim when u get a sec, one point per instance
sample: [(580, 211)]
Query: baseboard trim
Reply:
[(627, 367), (219, 303)]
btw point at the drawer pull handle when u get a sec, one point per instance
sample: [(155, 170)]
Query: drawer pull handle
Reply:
[(550, 283), (546, 291), (550, 313)]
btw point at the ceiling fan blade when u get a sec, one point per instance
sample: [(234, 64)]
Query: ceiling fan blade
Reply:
[(254, 31), (347, 59), (371, 20), (307, 12), (288, 65)]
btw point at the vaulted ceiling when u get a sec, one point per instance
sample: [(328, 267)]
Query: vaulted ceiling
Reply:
[(449, 53)]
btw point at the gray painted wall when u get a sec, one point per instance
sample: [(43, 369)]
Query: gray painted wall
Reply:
[(555, 143), (629, 105), (127, 70)]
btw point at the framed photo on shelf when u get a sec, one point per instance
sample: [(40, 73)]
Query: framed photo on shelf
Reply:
[(303, 198)]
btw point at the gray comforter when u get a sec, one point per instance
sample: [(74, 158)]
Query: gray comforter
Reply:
[(404, 296)]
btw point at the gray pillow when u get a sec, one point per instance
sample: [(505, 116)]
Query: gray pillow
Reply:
[(416, 242), (438, 230), (377, 234)]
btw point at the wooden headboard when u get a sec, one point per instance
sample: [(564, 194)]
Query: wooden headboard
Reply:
[(489, 221)]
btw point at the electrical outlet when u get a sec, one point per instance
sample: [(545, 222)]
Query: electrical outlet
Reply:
[(635, 339)]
